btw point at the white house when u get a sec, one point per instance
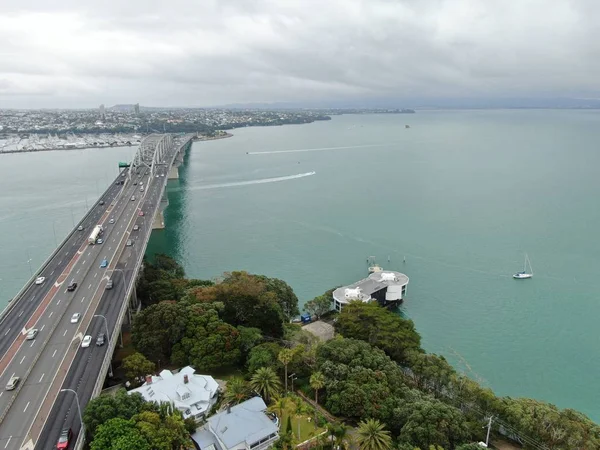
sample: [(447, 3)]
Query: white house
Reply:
[(192, 394), (242, 427)]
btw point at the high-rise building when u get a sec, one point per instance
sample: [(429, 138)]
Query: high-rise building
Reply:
[(102, 111), (137, 108)]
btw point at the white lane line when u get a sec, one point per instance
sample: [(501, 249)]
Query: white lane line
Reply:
[(114, 239), (32, 299), (96, 274), (65, 333), (41, 329), (26, 406), (32, 342), (41, 378), (6, 332), (20, 314), (60, 262), (51, 272), (66, 253), (90, 286), (53, 354), (125, 263), (8, 442), (109, 249), (50, 315), (78, 270), (23, 359), (84, 262), (89, 253), (58, 302)]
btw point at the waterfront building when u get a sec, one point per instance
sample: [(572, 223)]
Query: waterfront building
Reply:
[(385, 287)]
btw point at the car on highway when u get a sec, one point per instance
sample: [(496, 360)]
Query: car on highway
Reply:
[(142, 189), (12, 383), (136, 227), (99, 241), (75, 318), (129, 243), (100, 339), (135, 183), (111, 220), (101, 202), (32, 334), (65, 439), (104, 263), (141, 213), (133, 198), (80, 228), (72, 286), (40, 280), (87, 340), (109, 284)]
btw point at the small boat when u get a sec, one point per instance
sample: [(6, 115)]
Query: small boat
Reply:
[(524, 274)]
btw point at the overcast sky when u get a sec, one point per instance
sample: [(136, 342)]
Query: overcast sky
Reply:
[(76, 53)]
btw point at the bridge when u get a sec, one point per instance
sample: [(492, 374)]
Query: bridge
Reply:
[(57, 376)]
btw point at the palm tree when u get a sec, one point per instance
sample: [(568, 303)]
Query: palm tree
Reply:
[(237, 391), (317, 381), (341, 435), (280, 407), (371, 435), (285, 357), (266, 383)]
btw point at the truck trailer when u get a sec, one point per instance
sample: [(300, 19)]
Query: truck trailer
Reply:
[(95, 234)]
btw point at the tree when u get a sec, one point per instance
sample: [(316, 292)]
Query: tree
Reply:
[(280, 406), (266, 383), (119, 434), (372, 435), (317, 381), (430, 372), (237, 391), (469, 447), (208, 342), (137, 365), (249, 338), (163, 431), (391, 333), (120, 405), (285, 357), (318, 305), (263, 355), (286, 298)]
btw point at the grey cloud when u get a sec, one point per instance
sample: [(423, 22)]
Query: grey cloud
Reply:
[(210, 52)]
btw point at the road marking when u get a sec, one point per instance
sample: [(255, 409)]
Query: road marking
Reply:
[(58, 302), (65, 333), (23, 359), (50, 315), (89, 253), (60, 262), (41, 378), (33, 342), (32, 299), (8, 442), (54, 353), (78, 270), (83, 263), (109, 249), (125, 263), (114, 240), (20, 314), (90, 286), (51, 272), (42, 327), (26, 406)]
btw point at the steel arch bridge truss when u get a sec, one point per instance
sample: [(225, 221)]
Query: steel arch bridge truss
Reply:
[(151, 152)]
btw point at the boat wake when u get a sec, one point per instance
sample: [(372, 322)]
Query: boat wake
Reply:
[(251, 182), (301, 150)]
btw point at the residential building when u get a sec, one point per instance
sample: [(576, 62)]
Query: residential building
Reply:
[(194, 395), (246, 426), (384, 287)]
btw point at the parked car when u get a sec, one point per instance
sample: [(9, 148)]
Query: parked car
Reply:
[(75, 318), (40, 280), (65, 439), (87, 340), (32, 334)]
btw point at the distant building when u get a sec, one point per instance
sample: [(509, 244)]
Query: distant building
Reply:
[(102, 111), (136, 108), (241, 427), (383, 287), (194, 395)]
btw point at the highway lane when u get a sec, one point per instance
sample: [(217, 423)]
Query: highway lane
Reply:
[(16, 422), (12, 324), (86, 366)]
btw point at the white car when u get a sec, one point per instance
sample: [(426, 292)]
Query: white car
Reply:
[(86, 341), (32, 334), (75, 318), (111, 221), (40, 280)]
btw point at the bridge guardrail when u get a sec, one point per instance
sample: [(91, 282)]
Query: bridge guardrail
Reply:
[(79, 443), (18, 297)]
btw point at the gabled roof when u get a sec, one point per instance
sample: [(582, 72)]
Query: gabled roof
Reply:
[(246, 422)]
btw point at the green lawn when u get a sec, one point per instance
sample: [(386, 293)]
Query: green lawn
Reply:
[(307, 429)]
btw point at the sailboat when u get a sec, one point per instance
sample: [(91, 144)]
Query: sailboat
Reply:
[(525, 273)]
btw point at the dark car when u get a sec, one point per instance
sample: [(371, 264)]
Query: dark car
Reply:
[(102, 202), (100, 340), (65, 439), (72, 286)]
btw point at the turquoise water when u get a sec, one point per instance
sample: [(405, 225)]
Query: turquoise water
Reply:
[(463, 195)]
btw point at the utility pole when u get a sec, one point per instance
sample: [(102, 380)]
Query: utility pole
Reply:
[(489, 427)]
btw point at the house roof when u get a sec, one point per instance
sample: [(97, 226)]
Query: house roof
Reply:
[(171, 387), (246, 422), (363, 289)]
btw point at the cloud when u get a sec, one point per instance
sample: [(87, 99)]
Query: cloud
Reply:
[(72, 53)]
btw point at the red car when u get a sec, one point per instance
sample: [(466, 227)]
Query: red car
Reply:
[(65, 439), (141, 213)]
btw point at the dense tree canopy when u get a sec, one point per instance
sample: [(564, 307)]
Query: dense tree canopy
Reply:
[(120, 405), (263, 355), (137, 365), (379, 327), (119, 434), (319, 305)]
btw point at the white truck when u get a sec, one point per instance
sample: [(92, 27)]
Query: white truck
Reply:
[(95, 234)]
